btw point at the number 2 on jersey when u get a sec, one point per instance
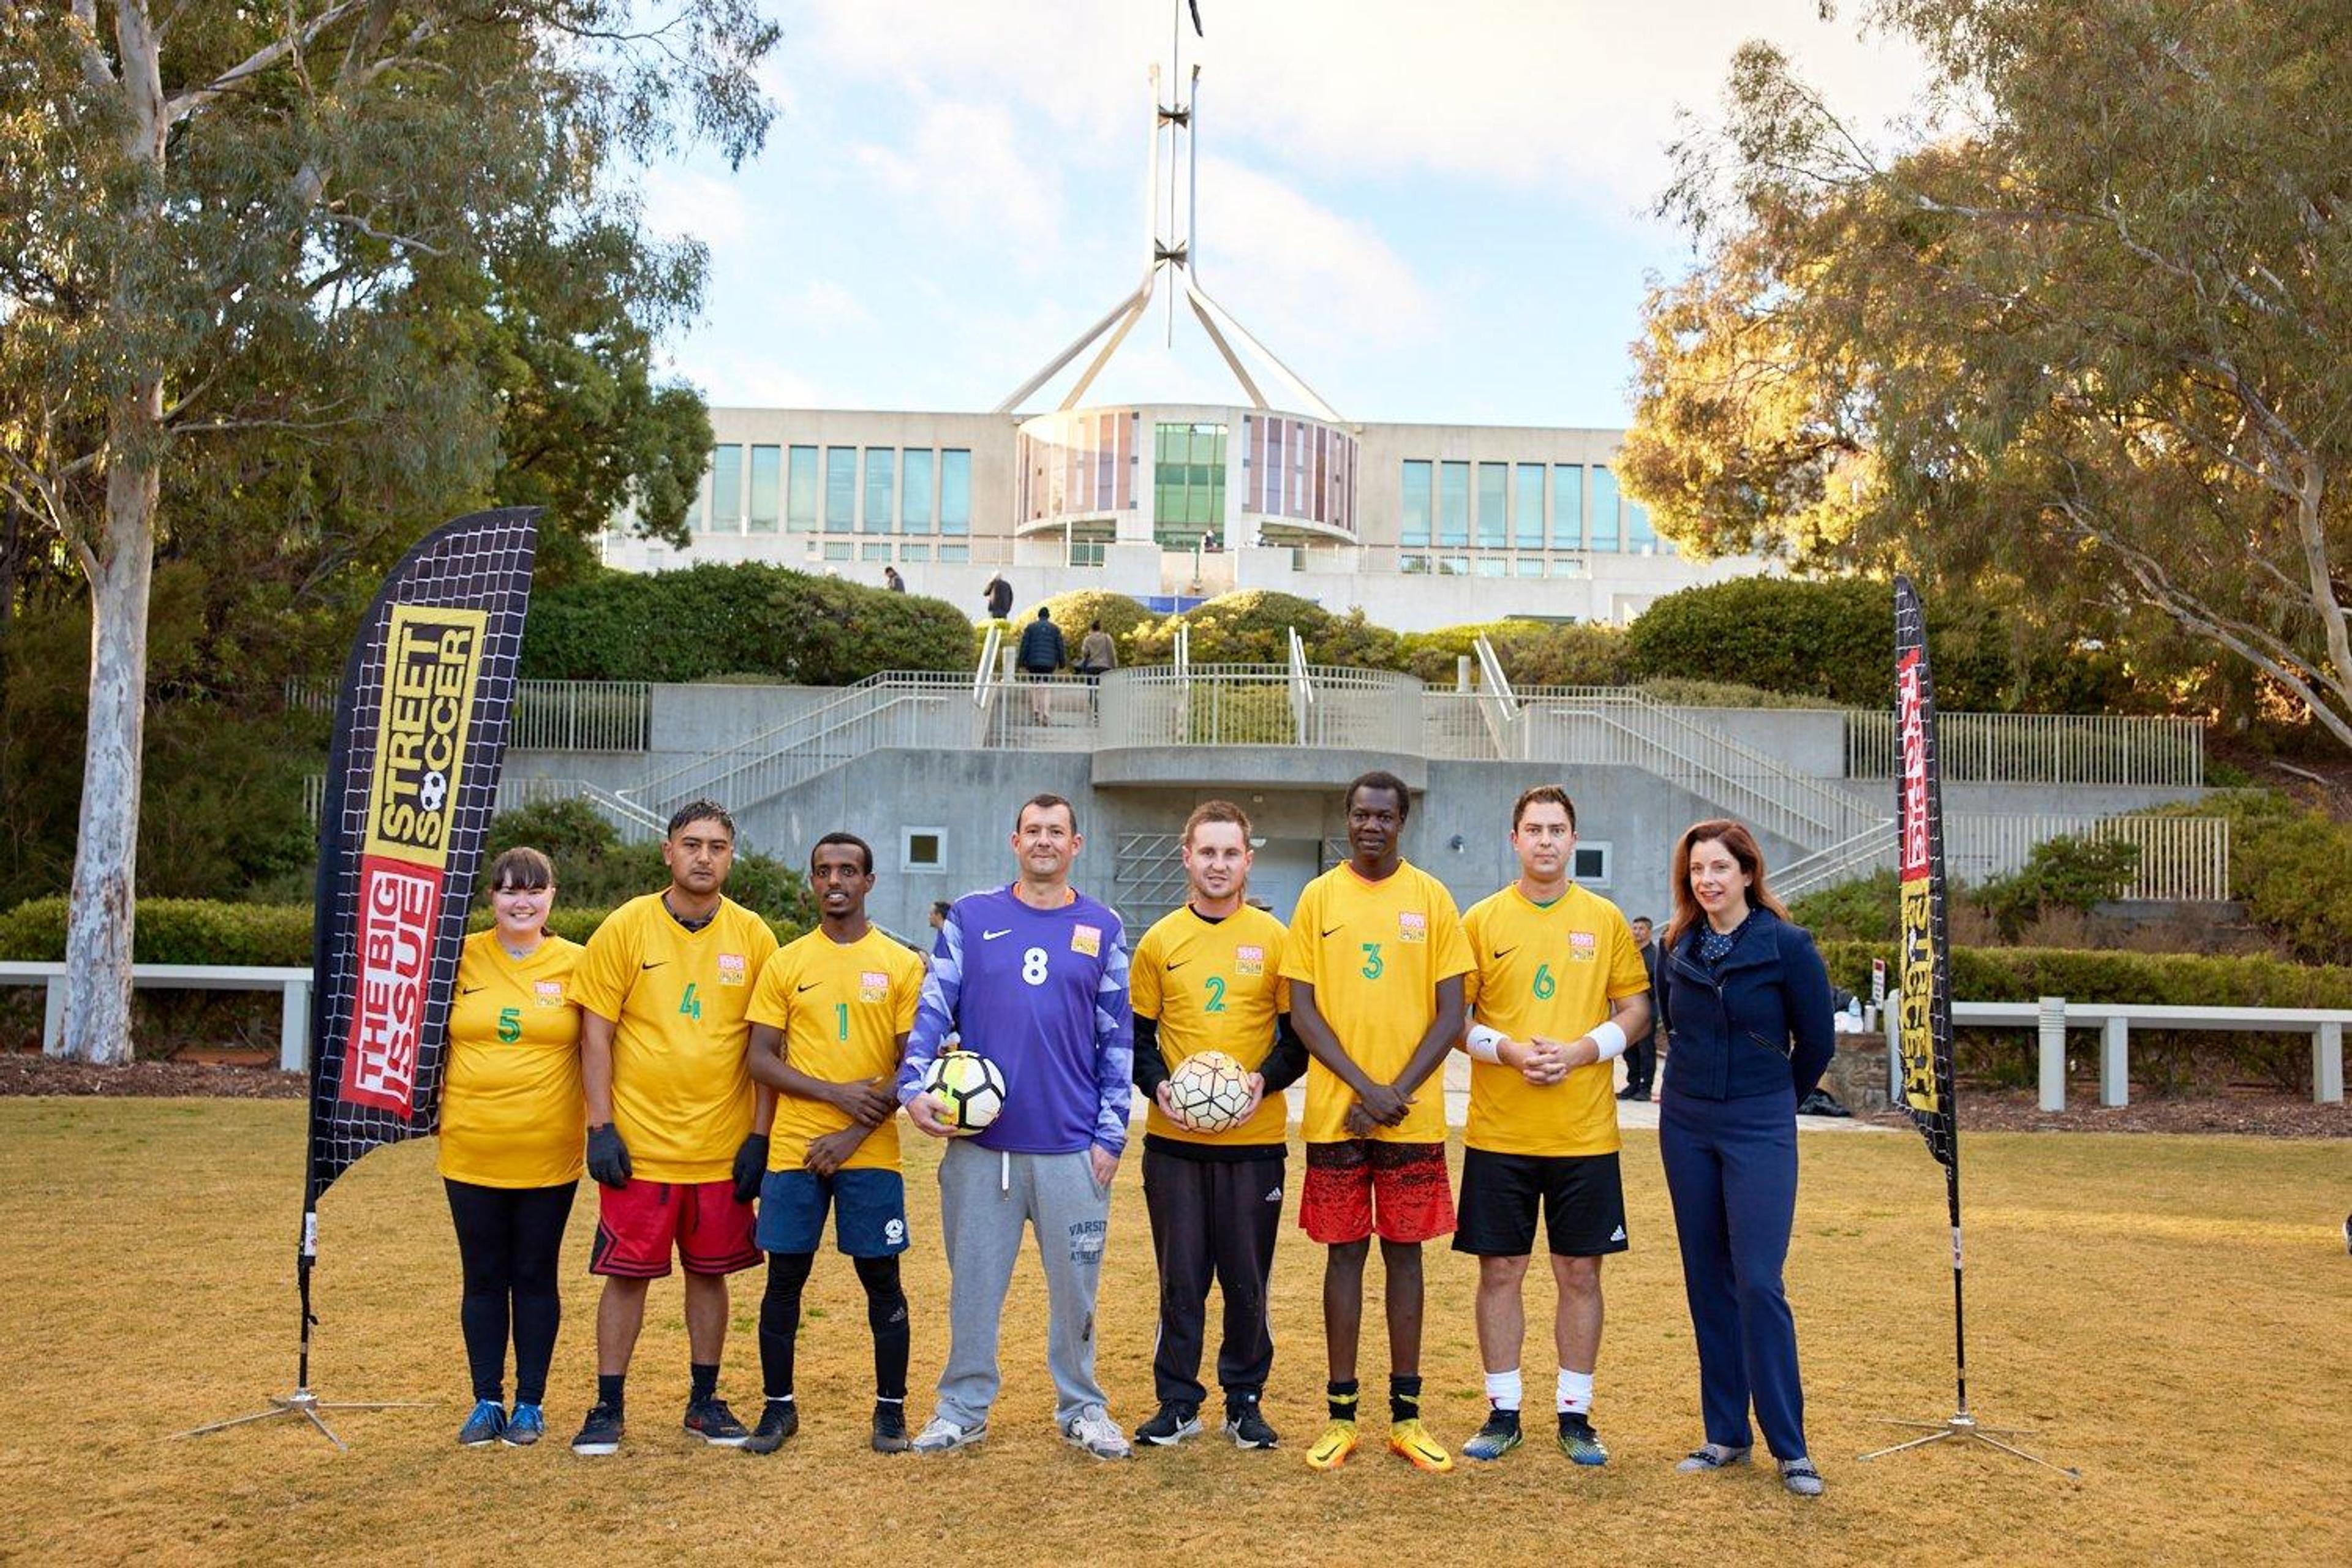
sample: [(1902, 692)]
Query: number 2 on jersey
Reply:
[(1216, 987)]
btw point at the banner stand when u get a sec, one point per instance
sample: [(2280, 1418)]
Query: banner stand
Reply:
[(1919, 1024), (420, 734)]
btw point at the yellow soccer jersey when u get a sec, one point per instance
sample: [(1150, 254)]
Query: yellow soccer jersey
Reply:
[(1547, 970), (511, 1112), (843, 1008), (1214, 985), (681, 1094), (1374, 952)]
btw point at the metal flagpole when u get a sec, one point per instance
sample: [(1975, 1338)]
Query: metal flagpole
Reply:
[(1923, 1015)]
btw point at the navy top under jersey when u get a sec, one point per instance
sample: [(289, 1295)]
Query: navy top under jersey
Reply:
[(1043, 995)]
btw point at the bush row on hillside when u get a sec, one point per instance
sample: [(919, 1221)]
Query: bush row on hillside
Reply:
[(742, 619)]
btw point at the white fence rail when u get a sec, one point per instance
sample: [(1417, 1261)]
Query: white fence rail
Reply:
[(2041, 748), (1262, 705), (549, 715), (2182, 858)]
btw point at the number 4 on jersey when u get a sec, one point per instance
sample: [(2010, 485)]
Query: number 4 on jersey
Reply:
[(690, 1005)]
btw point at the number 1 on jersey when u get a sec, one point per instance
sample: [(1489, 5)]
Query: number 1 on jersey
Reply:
[(841, 1020)]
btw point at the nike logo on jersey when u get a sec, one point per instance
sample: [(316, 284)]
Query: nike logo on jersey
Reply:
[(992, 935), (1505, 952), (656, 963), (469, 990), (810, 986), (1179, 963), (1336, 929)]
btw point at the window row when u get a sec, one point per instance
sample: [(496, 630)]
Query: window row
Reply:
[(834, 490), (1523, 506)]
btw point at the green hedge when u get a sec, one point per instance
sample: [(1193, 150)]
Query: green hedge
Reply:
[(199, 930), (748, 618), (2179, 979)]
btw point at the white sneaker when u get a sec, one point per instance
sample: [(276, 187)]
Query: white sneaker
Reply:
[(1093, 1430), (941, 1436), (1713, 1457)]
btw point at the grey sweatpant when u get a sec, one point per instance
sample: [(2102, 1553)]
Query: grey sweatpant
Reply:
[(986, 1198)]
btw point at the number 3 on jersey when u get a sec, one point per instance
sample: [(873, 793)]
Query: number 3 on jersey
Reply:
[(1372, 965), (1032, 966)]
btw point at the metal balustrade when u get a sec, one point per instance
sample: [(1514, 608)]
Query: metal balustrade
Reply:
[(1262, 705), (2182, 857), (2113, 749)]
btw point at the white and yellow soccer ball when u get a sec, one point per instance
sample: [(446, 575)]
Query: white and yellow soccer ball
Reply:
[(1209, 1092), (970, 1086)]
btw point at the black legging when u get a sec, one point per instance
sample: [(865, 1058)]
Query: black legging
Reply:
[(509, 1240), (885, 1316)]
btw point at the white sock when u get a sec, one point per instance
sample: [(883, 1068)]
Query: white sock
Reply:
[(1575, 1392), (780, 1399), (1503, 1389)]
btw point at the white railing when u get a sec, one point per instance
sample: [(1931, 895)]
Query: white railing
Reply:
[(1302, 690), (1455, 726), (582, 716), (1292, 704), (1613, 725), (1496, 703), (680, 784), (984, 679), (633, 823), (901, 708), (2181, 858), (2041, 748)]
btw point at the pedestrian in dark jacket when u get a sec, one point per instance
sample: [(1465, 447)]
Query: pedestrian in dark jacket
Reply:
[(1642, 1055), (1041, 653), (1746, 1000)]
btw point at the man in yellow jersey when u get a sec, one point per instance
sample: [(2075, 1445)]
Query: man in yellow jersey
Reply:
[(1209, 978), (829, 1021), (1558, 990), (1375, 960), (664, 990)]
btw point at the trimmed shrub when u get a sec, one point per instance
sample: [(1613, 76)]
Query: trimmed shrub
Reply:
[(1253, 628), (746, 618), (2283, 858), (2062, 873), (1832, 641), (1074, 613), (595, 870), (2182, 979)]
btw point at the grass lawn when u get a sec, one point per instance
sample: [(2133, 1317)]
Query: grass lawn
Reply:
[(2174, 1313)]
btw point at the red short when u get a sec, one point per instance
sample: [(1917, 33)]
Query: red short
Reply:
[(1349, 1182), (637, 1226)]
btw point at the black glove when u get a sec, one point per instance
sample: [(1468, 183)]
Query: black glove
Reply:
[(751, 1167), (608, 1157)]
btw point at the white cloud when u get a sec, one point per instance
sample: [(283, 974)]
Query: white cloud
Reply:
[(967, 178), (688, 202)]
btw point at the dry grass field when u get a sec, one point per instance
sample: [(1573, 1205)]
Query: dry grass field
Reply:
[(2174, 1313)]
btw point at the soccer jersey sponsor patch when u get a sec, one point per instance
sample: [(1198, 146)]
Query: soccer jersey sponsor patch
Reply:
[(1248, 960), (1583, 947), (547, 993), (873, 986), (730, 969), (1087, 940), (1412, 926)]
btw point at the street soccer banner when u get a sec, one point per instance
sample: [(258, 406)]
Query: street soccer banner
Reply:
[(412, 780), (1925, 1085)]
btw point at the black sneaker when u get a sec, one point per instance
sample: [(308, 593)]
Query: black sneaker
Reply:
[(778, 1420), (601, 1432), (1175, 1422), (712, 1421), (890, 1427), (1497, 1437), (1246, 1424)]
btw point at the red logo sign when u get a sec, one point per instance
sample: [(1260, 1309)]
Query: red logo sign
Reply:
[(399, 904), (1913, 729)]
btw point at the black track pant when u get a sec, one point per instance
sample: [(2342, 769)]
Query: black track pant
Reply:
[(1642, 1064), (509, 1239), (1212, 1219), (885, 1316)]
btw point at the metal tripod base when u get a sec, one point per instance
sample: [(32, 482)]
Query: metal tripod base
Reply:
[(303, 1405), (1964, 1426)]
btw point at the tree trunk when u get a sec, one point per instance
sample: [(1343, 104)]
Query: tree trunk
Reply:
[(100, 915)]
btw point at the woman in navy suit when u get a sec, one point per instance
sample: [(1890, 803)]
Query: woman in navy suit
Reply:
[(1748, 1004)]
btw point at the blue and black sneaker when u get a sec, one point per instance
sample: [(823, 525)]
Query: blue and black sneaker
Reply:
[(485, 1426), (524, 1428)]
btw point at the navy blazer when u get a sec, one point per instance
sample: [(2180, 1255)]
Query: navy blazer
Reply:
[(1759, 1024)]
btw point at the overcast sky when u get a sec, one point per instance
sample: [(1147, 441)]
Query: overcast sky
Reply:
[(1432, 211)]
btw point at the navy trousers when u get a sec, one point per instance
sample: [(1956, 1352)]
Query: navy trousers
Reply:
[(1731, 1172)]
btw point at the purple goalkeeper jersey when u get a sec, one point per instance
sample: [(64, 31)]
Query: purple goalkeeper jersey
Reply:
[(1043, 995)]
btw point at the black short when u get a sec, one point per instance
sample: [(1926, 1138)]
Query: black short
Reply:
[(1583, 1199)]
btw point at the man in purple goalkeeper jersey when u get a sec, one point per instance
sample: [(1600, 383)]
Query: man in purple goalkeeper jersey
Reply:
[(1033, 977)]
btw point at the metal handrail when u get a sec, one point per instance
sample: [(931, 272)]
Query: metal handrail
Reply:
[(2182, 857), (1496, 703), (984, 679), (2114, 749)]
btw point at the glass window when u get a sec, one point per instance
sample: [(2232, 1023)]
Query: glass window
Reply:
[(1454, 503), (955, 494), (800, 492), (874, 550), (1189, 484), (914, 490), (840, 488), (1604, 509), (1591, 864), (1412, 563), (1640, 537), (727, 489), (1494, 486), (1453, 565), (1492, 567), (1419, 479), (1567, 506), (922, 849), (697, 504), (1526, 506), (836, 550), (1528, 566), (767, 480), (914, 552), (954, 554), (881, 478)]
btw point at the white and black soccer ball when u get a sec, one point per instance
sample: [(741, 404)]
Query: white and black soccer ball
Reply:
[(970, 1086), (1209, 1092)]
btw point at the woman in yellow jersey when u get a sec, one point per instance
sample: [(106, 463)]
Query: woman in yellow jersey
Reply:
[(513, 1123)]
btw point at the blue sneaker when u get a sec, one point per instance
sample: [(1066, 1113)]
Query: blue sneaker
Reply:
[(485, 1426), (524, 1428)]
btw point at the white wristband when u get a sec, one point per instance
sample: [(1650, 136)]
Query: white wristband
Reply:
[(1485, 1043), (1610, 1039)]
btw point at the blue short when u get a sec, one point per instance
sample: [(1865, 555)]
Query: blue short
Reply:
[(870, 1205)]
